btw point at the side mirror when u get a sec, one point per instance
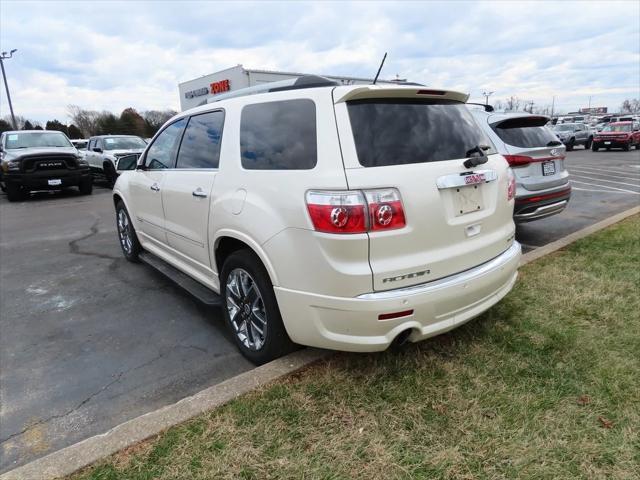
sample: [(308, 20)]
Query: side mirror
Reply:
[(97, 149), (128, 162)]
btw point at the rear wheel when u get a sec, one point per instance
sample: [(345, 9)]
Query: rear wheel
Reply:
[(127, 234), (251, 310), (15, 192), (86, 186)]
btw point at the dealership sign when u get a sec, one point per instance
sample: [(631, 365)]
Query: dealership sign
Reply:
[(213, 88), (594, 110)]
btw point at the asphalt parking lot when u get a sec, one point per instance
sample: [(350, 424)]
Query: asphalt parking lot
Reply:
[(89, 340)]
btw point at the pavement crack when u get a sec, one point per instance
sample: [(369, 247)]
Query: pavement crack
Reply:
[(75, 248)]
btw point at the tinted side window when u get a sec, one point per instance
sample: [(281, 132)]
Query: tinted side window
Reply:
[(200, 147), (162, 153), (400, 132), (279, 135)]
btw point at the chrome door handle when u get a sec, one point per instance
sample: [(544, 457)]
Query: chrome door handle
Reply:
[(199, 193), (155, 187)]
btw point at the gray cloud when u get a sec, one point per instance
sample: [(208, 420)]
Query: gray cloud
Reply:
[(111, 55)]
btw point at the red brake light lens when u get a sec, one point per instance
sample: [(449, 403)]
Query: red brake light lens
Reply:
[(385, 209), (337, 212), (511, 185), (518, 160), (355, 211)]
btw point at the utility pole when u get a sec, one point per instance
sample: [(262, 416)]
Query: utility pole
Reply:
[(486, 97), (553, 104), (4, 56)]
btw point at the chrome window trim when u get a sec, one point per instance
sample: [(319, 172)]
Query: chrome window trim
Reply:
[(457, 180)]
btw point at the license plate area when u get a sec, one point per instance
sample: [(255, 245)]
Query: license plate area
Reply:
[(467, 199), (607, 143), (54, 182), (548, 168)]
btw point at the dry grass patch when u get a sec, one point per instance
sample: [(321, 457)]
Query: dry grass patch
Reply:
[(544, 385)]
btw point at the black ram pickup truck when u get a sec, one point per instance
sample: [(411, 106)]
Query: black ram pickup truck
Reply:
[(40, 160)]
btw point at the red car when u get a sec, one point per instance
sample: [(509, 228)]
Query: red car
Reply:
[(617, 135)]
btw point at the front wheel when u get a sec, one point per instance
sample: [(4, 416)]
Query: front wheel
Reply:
[(251, 310), (127, 234), (570, 144), (594, 147), (626, 147), (110, 174), (14, 192)]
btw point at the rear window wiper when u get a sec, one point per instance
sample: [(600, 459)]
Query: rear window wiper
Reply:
[(476, 156), (554, 143)]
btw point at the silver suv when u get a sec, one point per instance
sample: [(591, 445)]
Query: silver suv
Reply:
[(537, 159), (572, 134)]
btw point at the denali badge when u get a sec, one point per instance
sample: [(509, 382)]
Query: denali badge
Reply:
[(407, 276)]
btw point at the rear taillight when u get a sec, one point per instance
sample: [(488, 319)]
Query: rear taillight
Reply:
[(518, 160), (511, 185), (385, 209), (355, 211)]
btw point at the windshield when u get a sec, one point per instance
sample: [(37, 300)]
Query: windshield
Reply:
[(617, 128), (564, 128), (123, 143), (399, 132), (36, 139)]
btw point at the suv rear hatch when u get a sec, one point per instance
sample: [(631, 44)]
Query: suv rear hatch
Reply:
[(534, 152), (416, 141)]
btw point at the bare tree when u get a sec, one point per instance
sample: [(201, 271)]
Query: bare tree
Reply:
[(20, 121), (85, 120), (513, 103), (630, 106)]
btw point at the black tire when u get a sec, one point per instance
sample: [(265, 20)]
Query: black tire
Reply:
[(608, 149), (570, 144), (594, 147), (275, 341), (587, 145), (626, 147), (127, 234), (15, 192), (86, 186), (110, 174)]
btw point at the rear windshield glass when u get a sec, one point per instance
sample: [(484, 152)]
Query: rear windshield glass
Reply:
[(398, 132), (521, 133)]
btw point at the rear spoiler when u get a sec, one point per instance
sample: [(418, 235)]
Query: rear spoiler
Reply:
[(391, 91), (521, 122)]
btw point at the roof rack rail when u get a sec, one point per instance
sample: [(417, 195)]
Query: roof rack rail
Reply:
[(305, 81)]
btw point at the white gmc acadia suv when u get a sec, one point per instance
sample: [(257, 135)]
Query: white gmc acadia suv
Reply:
[(342, 217)]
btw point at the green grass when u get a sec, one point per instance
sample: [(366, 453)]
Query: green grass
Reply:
[(527, 390)]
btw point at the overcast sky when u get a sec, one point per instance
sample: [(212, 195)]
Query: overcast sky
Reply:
[(112, 55)]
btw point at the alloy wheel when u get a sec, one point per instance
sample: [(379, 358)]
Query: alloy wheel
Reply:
[(124, 232), (246, 309)]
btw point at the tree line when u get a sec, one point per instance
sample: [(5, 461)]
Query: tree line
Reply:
[(86, 123)]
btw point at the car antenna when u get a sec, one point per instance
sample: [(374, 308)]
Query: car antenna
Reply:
[(379, 68)]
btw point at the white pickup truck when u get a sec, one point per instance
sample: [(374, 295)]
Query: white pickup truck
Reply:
[(104, 151)]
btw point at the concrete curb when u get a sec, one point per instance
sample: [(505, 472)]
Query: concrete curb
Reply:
[(73, 458), (572, 237)]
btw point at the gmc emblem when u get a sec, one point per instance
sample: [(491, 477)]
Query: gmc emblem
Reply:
[(475, 178)]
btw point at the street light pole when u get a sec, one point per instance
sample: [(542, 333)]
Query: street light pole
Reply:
[(486, 97), (4, 56)]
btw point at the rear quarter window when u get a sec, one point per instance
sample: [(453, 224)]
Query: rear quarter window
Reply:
[(524, 133), (279, 135), (398, 131)]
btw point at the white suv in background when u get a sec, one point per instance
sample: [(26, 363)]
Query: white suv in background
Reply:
[(337, 217)]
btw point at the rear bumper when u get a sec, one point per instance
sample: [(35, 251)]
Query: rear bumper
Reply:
[(353, 324), (541, 205), (40, 180)]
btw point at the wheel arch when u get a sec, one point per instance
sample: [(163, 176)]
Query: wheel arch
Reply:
[(228, 241)]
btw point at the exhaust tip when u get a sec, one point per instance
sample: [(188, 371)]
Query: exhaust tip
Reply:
[(401, 339)]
